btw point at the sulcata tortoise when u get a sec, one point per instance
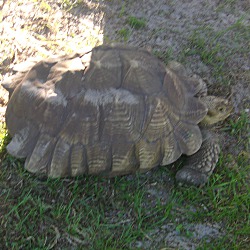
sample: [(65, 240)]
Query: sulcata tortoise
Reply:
[(112, 111)]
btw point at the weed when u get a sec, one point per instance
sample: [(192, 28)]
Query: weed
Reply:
[(45, 6), (124, 33), (123, 10), (136, 23), (165, 56), (208, 52), (210, 46), (69, 5), (180, 228)]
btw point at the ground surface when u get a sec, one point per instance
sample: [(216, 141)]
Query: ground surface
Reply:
[(212, 39)]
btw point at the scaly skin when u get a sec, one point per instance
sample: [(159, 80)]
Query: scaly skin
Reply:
[(218, 110), (199, 166)]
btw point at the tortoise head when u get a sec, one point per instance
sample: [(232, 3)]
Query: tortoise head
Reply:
[(218, 109)]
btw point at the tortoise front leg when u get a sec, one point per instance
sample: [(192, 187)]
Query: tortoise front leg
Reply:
[(200, 165)]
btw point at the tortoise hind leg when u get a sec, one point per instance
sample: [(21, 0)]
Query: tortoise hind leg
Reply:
[(200, 165)]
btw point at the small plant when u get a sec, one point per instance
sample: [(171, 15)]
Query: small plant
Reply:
[(136, 23), (180, 229), (166, 56), (45, 6), (209, 52), (122, 11), (68, 4), (124, 33), (4, 139), (209, 45)]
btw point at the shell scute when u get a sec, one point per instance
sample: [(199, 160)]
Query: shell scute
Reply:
[(110, 111)]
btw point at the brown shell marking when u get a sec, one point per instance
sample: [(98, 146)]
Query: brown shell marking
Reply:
[(114, 110)]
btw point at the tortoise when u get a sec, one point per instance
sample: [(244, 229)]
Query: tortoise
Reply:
[(112, 110)]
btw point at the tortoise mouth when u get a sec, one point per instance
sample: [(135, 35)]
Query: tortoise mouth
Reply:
[(213, 116)]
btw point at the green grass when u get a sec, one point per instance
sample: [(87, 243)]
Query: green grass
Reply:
[(136, 23), (227, 4), (227, 200), (98, 213), (45, 6), (90, 210), (165, 56), (239, 127), (69, 5), (214, 51), (124, 33), (240, 124)]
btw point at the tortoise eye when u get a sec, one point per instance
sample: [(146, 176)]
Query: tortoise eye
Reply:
[(221, 109)]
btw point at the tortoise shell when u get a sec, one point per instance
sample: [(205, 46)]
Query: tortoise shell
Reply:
[(112, 111)]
